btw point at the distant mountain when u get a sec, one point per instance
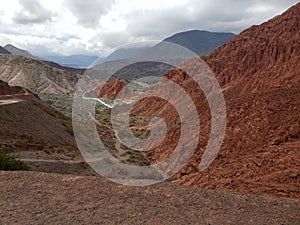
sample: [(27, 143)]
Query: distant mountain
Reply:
[(4, 51), (75, 61), (17, 51), (126, 53), (200, 42), (37, 75)]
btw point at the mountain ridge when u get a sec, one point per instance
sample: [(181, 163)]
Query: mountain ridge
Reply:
[(271, 49), (201, 42), (17, 51), (259, 75)]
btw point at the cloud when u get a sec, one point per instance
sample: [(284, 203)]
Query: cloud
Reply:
[(32, 13), (113, 39), (88, 13), (214, 15), (99, 26)]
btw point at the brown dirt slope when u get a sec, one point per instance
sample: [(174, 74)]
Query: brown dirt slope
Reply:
[(27, 122), (259, 73), (37, 198)]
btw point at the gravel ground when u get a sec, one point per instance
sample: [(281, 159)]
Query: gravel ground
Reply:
[(41, 198)]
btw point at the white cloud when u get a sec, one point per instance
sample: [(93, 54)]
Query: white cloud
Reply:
[(32, 12), (89, 13), (98, 26)]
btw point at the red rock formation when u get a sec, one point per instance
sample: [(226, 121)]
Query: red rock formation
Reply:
[(261, 57), (260, 75), (113, 89)]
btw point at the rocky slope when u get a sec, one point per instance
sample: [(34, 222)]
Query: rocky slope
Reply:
[(261, 57), (38, 76), (32, 128), (38, 198), (259, 74)]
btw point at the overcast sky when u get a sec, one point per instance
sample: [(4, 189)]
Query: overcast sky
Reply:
[(97, 27)]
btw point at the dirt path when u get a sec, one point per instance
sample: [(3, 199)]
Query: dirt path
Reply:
[(12, 99), (73, 167), (9, 101), (50, 161), (39, 198)]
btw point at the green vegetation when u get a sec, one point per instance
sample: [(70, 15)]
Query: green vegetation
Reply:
[(8, 162), (23, 140), (50, 112), (61, 103), (63, 119), (139, 87), (20, 140), (63, 112)]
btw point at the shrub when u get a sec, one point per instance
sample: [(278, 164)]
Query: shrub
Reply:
[(9, 163), (49, 112)]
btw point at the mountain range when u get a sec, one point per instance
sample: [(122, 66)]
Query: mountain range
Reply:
[(199, 42), (21, 62), (182, 45), (259, 74)]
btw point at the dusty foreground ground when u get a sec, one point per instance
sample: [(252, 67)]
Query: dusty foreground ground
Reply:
[(40, 198)]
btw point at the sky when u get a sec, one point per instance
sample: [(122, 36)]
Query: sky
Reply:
[(98, 27)]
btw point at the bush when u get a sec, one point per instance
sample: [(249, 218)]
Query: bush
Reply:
[(9, 163)]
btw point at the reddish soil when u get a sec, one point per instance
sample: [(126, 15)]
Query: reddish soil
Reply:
[(38, 198)]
